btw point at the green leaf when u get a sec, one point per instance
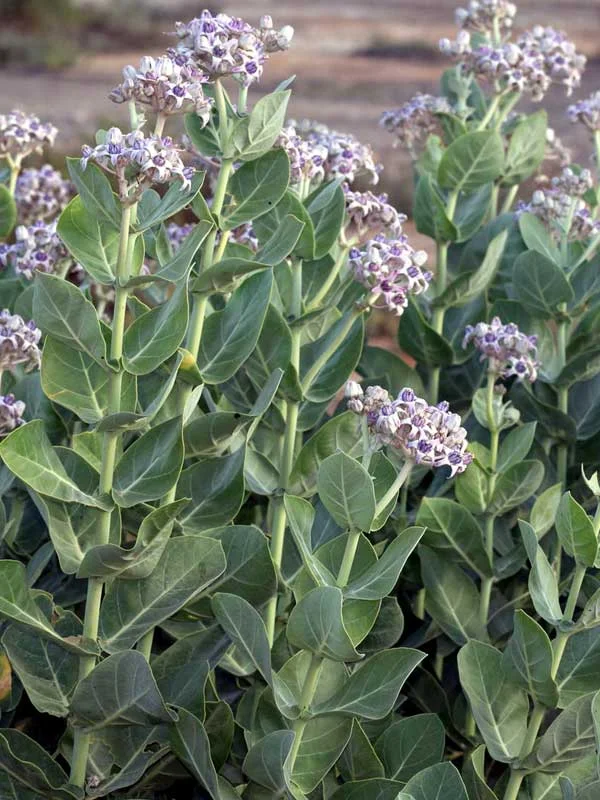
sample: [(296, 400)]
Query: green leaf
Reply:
[(410, 745), (472, 486), (110, 560), (37, 775), (132, 607), (95, 190), (265, 761), (542, 580), (323, 741), (438, 781), (544, 510), (516, 485), (540, 284), (223, 276), (576, 531), (282, 242), (359, 760), (316, 624), (175, 198), (48, 672), (346, 490), (452, 598), (326, 207), (300, 516), (516, 446), (150, 466), (429, 211), (376, 362), (537, 237), (474, 776), (74, 380), (469, 285), (153, 337), (256, 187), (339, 433), (245, 628), (177, 268), (471, 161), (204, 137), (231, 335), (372, 689), (269, 225), (500, 708), (254, 134), (526, 148), (371, 789), (379, 580), (581, 368), (191, 744), (418, 339), (578, 671), (121, 690), (339, 365), (216, 488), (28, 453), (8, 212), (527, 660), (569, 737), (60, 309), (471, 212), (463, 538), (289, 682), (93, 242)]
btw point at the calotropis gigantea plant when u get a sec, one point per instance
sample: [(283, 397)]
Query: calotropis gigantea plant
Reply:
[(223, 579)]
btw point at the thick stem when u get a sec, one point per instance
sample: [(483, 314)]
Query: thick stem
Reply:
[(333, 347), (145, 644), (562, 449), (242, 100), (441, 279), (391, 493), (288, 451), (91, 620), (487, 583), (330, 279), (352, 541), (492, 108), (514, 784), (308, 692), (15, 168), (509, 199)]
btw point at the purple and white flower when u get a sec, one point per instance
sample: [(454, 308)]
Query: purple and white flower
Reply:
[(370, 214), (509, 352), (168, 85), (414, 120), (428, 435), (22, 134), (37, 248), (19, 342), (587, 112), (487, 16), (41, 194), (391, 270), (11, 414)]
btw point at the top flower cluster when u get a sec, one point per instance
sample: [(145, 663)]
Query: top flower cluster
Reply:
[(532, 63)]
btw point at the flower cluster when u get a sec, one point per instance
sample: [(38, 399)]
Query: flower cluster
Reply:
[(587, 112), (41, 193), (556, 150), (22, 134), (344, 156), (221, 45), (11, 413), (168, 85), (414, 120), (486, 16), (37, 247), (391, 269), (177, 234), (561, 207), (532, 64), (307, 157), (370, 214), (425, 434), (18, 342), (243, 234), (509, 351), (152, 159)]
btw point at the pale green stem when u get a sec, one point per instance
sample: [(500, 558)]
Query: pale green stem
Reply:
[(242, 99), (81, 743), (494, 201), (15, 167), (492, 108), (329, 280), (159, 124), (292, 410), (588, 252), (308, 691), (488, 582), (562, 450), (352, 541), (145, 644), (333, 347), (441, 279), (539, 710), (391, 493), (509, 199)]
